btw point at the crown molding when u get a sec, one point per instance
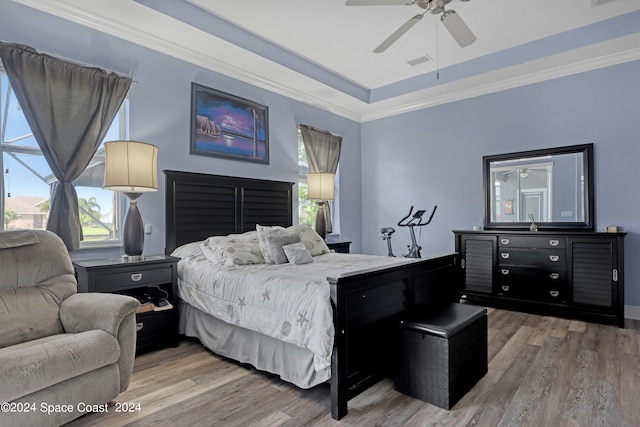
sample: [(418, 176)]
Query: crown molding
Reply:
[(561, 65), (298, 87), (156, 41)]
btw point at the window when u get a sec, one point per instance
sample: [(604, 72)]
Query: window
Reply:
[(26, 178), (307, 209)]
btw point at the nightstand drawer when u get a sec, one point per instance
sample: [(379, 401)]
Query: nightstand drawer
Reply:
[(109, 282), (340, 247)]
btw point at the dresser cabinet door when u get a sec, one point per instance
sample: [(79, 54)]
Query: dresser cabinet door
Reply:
[(595, 272), (478, 262)]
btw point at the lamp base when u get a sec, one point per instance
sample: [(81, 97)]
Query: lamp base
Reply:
[(321, 223), (133, 229), (132, 258)]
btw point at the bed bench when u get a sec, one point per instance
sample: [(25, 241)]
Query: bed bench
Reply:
[(442, 353)]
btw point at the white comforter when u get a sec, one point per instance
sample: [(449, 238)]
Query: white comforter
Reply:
[(288, 302)]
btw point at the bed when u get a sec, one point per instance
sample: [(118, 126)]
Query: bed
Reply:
[(362, 302)]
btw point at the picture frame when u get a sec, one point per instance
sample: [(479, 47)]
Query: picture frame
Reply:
[(227, 126), (508, 207)]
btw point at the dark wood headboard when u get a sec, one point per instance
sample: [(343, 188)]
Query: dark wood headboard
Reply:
[(202, 205)]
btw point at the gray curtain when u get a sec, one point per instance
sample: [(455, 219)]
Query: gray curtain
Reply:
[(323, 154), (69, 108)]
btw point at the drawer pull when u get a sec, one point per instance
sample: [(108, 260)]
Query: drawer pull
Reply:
[(505, 255), (504, 241), (139, 326), (505, 271), (136, 277), (554, 258), (554, 276), (554, 293), (554, 242), (505, 288)]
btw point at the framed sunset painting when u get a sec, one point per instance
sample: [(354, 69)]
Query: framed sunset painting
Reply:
[(224, 125)]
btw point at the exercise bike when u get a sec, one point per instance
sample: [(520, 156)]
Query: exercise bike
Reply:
[(415, 221)]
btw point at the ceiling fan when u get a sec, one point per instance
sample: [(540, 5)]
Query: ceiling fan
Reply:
[(451, 20)]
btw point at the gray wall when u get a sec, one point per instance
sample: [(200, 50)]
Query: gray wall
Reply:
[(434, 156)]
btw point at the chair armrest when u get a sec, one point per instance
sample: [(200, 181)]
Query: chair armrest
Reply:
[(86, 311), (112, 313)]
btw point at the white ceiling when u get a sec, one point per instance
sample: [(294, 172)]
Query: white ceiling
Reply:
[(320, 51), (342, 38)]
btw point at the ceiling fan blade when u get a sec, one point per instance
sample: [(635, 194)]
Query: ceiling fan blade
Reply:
[(378, 2), (397, 34), (458, 29)]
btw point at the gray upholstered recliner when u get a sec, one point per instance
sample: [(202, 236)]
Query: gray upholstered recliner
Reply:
[(61, 353)]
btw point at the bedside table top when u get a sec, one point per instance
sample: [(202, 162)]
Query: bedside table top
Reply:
[(104, 262)]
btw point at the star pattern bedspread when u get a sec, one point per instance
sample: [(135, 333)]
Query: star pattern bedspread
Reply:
[(287, 302)]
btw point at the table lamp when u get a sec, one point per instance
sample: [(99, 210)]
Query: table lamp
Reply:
[(131, 167), (321, 189)]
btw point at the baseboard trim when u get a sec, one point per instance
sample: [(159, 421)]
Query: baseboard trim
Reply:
[(632, 312)]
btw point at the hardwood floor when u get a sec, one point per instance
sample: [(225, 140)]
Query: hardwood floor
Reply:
[(543, 371)]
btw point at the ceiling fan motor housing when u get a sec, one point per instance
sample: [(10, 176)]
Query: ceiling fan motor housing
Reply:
[(437, 6)]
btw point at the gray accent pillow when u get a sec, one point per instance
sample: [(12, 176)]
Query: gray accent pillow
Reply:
[(297, 253), (312, 240), (271, 241)]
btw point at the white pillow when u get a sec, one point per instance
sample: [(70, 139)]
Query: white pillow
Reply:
[(234, 249), (271, 241), (187, 250), (312, 240), (297, 253)]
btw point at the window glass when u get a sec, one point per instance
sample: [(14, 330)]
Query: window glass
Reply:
[(26, 178)]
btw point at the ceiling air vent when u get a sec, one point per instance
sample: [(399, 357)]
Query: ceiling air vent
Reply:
[(420, 60), (596, 3)]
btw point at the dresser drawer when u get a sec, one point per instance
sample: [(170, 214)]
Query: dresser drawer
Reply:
[(134, 277), (536, 276), (536, 292), (539, 242), (540, 257)]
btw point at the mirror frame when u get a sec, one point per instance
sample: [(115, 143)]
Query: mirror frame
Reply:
[(587, 156)]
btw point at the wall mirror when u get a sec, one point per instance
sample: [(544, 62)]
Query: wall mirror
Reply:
[(554, 186)]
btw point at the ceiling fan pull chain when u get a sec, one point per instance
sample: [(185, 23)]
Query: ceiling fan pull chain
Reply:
[(437, 54)]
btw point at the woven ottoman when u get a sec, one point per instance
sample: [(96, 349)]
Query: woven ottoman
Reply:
[(442, 353)]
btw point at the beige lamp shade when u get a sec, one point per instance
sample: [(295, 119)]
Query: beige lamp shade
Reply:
[(131, 166), (320, 186)]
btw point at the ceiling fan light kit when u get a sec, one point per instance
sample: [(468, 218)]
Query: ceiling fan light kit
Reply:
[(460, 32)]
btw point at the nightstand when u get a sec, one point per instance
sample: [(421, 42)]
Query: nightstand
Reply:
[(133, 278), (341, 247)]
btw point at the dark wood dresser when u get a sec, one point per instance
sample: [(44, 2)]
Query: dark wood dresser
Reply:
[(573, 274)]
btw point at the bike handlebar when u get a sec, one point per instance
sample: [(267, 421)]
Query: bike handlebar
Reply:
[(419, 223)]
